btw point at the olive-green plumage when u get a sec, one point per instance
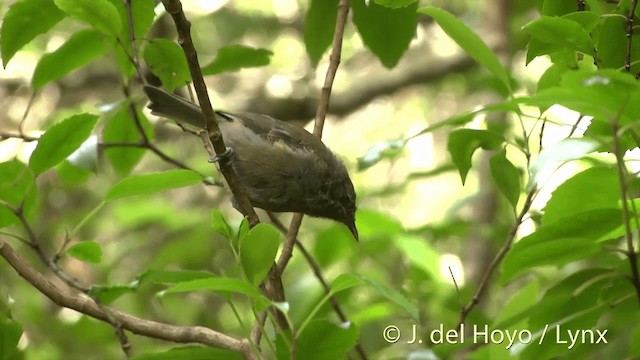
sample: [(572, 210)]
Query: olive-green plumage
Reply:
[(282, 167)]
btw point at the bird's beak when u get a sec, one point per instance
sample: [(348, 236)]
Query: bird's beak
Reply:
[(354, 231)]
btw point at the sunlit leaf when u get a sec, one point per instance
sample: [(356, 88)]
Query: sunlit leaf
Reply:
[(121, 128), (87, 251), (557, 243), (464, 142), (17, 185), (166, 60), (80, 49), (100, 14), (319, 26), (235, 57), (258, 250), (469, 41), (386, 32), (323, 340), (506, 176), (152, 183), (592, 189), (25, 20), (60, 141)]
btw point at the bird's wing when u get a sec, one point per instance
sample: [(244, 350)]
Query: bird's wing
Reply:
[(274, 131)]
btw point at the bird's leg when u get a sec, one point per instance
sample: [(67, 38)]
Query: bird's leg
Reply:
[(224, 157)]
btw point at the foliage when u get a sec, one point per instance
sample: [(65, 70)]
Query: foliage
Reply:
[(115, 200)]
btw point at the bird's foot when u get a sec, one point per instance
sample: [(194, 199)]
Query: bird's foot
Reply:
[(224, 157)]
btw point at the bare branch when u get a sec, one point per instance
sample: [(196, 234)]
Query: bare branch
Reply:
[(84, 305)]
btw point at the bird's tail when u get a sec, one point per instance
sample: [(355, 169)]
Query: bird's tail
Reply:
[(173, 107)]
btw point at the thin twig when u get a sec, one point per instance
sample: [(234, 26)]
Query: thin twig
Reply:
[(51, 263), (321, 113), (496, 260), (183, 26), (317, 272), (627, 58), (575, 125), (272, 287), (622, 176), (132, 40)]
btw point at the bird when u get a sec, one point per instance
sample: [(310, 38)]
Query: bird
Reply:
[(282, 167)]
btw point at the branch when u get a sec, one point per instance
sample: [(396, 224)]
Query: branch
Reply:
[(317, 271), (321, 113), (183, 26), (496, 261), (158, 330), (627, 58), (272, 287), (622, 176)]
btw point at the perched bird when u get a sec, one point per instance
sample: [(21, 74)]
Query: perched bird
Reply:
[(282, 167)]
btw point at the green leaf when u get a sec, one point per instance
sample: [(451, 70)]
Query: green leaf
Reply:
[(564, 150), (395, 3), (324, 340), (319, 27), (16, 185), (235, 57), (222, 286), (469, 41), (80, 49), (562, 32), (121, 127), (551, 77), (386, 32), (506, 176), (344, 281), (333, 244), (420, 254), (612, 41), (151, 183), (393, 295), (142, 12), (87, 251), (172, 276), (373, 223), (72, 175), (562, 241), (191, 353), (24, 21), (10, 333), (464, 142), (61, 141), (592, 189), (587, 19), (220, 224), (166, 60), (100, 14), (574, 293), (107, 294), (557, 8), (258, 250), (517, 308), (634, 349)]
